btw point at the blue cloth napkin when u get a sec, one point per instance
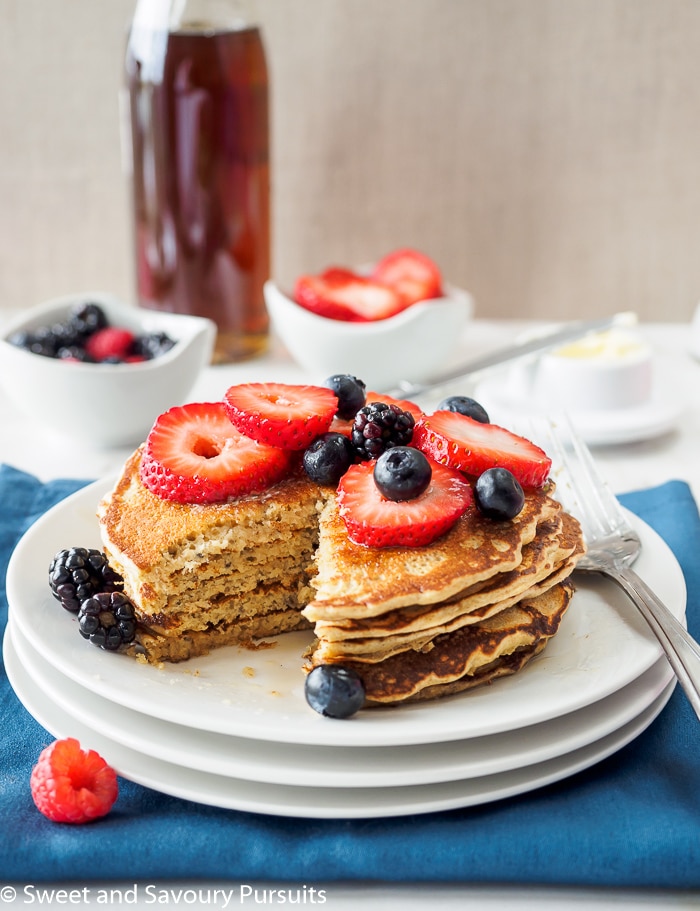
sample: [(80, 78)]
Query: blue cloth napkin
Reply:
[(632, 820)]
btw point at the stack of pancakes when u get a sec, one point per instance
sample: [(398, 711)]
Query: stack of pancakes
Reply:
[(204, 576), (477, 603)]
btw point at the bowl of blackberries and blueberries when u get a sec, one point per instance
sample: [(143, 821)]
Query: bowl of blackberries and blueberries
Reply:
[(100, 371), (369, 430)]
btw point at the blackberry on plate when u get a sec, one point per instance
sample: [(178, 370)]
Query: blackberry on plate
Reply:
[(350, 392), (462, 404), (334, 691), (328, 457), (402, 473), (498, 494), (378, 427), (108, 620), (77, 573)]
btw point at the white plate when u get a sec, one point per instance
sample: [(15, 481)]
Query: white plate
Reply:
[(309, 802), (599, 428), (602, 645), (319, 766)]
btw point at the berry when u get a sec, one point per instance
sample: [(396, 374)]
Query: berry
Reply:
[(343, 295), (194, 454), (402, 473), (77, 573), (69, 784), (373, 520), (462, 404), (414, 276), (378, 426), (470, 446), (350, 393), (328, 458), (151, 345), (111, 344), (108, 620), (498, 494), (282, 415), (87, 318), (334, 691)]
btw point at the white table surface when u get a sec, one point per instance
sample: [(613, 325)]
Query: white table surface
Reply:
[(31, 448)]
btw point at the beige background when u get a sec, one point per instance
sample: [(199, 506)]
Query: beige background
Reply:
[(545, 152)]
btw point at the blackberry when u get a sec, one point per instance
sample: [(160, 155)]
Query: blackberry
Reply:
[(86, 319), (77, 573), (108, 620), (378, 427), (152, 345), (350, 392)]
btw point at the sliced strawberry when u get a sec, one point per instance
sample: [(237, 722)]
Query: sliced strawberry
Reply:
[(465, 444), (194, 454), (373, 520), (279, 414), (343, 295), (413, 275)]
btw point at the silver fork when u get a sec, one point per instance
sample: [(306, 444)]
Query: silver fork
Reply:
[(613, 545)]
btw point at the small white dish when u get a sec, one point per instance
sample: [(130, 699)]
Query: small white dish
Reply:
[(104, 405), (411, 346)]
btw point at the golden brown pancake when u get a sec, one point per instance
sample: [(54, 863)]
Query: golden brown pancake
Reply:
[(465, 658)]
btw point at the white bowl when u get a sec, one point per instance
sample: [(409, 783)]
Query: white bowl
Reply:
[(695, 333), (412, 346), (104, 404), (608, 371)]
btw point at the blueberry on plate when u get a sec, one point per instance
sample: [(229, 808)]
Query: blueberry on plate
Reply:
[(334, 691), (350, 392), (402, 473), (498, 494), (462, 404), (328, 457)]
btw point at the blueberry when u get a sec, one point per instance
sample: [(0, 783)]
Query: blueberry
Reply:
[(402, 473), (498, 494), (328, 457), (334, 691), (462, 404), (350, 392)]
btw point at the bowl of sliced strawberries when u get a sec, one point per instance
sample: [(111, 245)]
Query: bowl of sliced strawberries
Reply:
[(395, 320)]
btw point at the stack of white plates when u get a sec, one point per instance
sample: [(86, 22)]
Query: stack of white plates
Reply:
[(233, 729)]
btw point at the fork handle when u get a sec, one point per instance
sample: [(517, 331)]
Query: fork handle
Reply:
[(682, 651)]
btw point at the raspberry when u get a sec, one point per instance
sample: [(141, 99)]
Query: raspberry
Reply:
[(69, 784), (110, 344)]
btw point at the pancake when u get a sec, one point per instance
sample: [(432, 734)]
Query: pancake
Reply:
[(202, 576), (354, 581), (470, 656)]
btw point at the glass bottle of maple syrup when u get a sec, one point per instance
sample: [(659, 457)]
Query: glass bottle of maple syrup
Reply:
[(197, 86)]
